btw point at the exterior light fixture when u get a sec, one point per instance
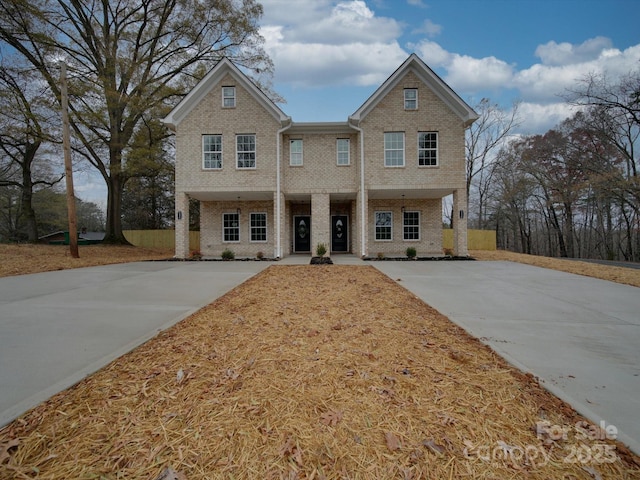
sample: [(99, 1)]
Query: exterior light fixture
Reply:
[(402, 208)]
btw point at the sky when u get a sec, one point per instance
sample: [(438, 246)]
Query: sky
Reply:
[(330, 56)]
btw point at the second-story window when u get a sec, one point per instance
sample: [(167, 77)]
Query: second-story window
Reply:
[(410, 98), (428, 149), (394, 149), (228, 97), (342, 147), (212, 152), (246, 151), (295, 152)]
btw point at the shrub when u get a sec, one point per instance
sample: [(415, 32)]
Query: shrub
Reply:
[(321, 249), (448, 252), (260, 255), (380, 255), (411, 252), (228, 254), (196, 255)]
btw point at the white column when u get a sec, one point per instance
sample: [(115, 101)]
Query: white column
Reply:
[(460, 223), (182, 225)]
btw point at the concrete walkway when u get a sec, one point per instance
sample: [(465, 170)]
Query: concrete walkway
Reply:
[(579, 335), (58, 327)]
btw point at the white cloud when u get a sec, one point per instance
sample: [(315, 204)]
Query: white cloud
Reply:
[(564, 53), (465, 73), (429, 28), (318, 43), (538, 118)]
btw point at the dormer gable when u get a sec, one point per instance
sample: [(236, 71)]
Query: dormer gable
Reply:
[(223, 69), (415, 65)]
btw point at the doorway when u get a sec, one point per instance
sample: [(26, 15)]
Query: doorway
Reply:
[(302, 233), (339, 233)]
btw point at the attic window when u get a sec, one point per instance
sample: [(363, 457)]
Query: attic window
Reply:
[(228, 97), (410, 98)]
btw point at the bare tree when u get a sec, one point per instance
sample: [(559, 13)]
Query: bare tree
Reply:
[(25, 117), (127, 58)]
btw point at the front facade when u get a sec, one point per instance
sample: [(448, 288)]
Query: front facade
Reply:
[(368, 186)]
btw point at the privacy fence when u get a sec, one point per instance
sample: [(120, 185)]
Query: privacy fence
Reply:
[(476, 239)]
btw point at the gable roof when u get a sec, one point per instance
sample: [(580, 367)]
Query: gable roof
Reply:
[(218, 72), (431, 79)]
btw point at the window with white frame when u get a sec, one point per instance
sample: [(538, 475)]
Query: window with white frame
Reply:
[(258, 227), (428, 149), (230, 227), (228, 97), (295, 152), (410, 98), (342, 147), (384, 223), (411, 225), (246, 151), (394, 149), (212, 152)]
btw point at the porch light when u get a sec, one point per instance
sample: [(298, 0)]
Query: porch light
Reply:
[(402, 208), (461, 214)]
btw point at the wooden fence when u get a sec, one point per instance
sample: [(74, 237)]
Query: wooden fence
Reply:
[(476, 239)]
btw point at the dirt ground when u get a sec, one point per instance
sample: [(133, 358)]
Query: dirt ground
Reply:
[(310, 372)]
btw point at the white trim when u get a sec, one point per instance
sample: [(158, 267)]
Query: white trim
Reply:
[(278, 252)]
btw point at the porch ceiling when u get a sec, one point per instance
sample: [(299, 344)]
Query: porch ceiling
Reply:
[(397, 193), (232, 196)]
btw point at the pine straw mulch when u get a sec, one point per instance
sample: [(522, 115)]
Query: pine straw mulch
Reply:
[(310, 372), (628, 276), (20, 259)]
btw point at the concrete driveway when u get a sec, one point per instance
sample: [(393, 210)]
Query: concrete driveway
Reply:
[(58, 327), (579, 335)]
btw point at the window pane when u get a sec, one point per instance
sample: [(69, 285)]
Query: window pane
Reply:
[(246, 151), (212, 151), (428, 149), (295, 154), (411, 226), (383, 225), (343, 151), (231, 227), (258, 227), (394, 149), (410, 98), (229, 96)]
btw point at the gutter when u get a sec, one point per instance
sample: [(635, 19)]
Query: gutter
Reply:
[(278, 252), (363, 220)]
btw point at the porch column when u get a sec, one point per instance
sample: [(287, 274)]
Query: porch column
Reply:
[(460, 223), (279, 215), (182, 225), (362, 213), (320, 221)]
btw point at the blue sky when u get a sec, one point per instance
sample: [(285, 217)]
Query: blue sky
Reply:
[(331, 55)]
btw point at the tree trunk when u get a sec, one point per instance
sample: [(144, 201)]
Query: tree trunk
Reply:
[(115, 186)]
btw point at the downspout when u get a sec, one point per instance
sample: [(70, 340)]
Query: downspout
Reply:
[(278, 251), (363, 221)]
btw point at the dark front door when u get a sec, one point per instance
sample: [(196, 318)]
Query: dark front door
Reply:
[(339, 233), (302, 233)]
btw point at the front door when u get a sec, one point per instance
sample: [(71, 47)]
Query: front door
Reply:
[(301, 233), (339, 233)]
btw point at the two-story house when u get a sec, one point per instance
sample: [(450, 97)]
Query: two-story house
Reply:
[(369, 185)]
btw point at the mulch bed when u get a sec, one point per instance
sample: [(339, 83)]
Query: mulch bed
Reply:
[(310, 372)]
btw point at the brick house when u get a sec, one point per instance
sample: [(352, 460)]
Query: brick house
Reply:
[(371, 184)]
